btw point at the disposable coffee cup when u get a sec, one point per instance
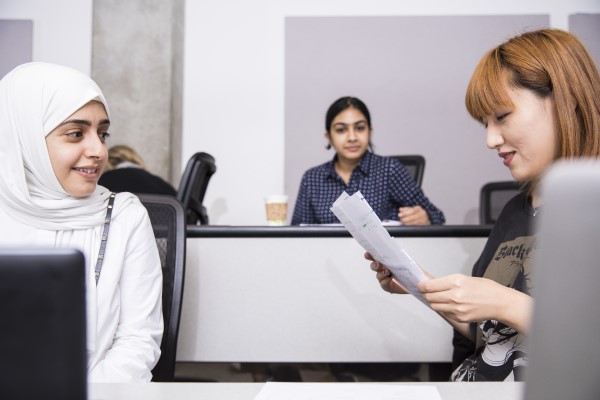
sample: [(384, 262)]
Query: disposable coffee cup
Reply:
[(276, 209)]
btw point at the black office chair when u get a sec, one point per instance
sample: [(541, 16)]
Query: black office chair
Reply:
[(493, 197), (192, 187), (168, 222), (415, 164)]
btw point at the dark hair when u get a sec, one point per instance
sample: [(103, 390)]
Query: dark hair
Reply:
[(343, 103)]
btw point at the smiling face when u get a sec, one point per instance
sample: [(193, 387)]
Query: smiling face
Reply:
[(524, 135), (77, 149), (349, 135)]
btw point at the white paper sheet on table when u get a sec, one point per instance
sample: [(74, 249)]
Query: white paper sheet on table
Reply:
[(365, 226), (346, 391)]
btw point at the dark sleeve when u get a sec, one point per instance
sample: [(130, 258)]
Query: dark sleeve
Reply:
[(135, 180), (462, 348), (406, 193), (303, 213), (165, 187)]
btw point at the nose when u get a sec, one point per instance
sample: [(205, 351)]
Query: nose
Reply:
[(493, 137), (94, 148), (352, 136)]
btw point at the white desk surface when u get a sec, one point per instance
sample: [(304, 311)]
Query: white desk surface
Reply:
[(310, 300), (247, 391)]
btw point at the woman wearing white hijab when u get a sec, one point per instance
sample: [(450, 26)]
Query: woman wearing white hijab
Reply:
[(53, 126)]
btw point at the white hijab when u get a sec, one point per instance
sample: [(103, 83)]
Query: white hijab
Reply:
[(34, 99)]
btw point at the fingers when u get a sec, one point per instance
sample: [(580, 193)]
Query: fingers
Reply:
[(376, 266), (383, 274), (413, 216), (385, 277), (440, 284), (437, 290)]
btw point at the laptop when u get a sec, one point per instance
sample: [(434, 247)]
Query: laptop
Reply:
[(564, 357), (42, 324)]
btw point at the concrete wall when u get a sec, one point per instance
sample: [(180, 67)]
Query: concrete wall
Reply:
[(137, 61)]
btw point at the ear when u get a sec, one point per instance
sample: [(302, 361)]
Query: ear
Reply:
[(328, 138)]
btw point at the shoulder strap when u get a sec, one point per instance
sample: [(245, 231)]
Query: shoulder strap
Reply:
[(111, 201)]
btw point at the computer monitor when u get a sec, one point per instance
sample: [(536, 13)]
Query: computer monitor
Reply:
[(42, 324), (564, 359)]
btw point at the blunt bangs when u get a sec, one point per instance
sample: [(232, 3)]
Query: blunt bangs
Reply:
[(486, 93)]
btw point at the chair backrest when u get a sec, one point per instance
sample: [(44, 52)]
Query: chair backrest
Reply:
[(415, 164), (192, 187), (493, 197), (168, 222)]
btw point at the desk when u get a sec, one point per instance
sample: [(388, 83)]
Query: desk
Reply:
[(247, 391), (304, 294)]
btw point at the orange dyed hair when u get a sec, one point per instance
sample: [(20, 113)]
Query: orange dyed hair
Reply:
[(548, 62)]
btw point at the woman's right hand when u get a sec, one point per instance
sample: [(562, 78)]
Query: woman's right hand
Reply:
[(385, 278)]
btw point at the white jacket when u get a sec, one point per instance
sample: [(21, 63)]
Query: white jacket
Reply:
[(124, 312)]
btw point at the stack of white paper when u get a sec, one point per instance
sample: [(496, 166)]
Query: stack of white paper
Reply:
[(366, 227), (346, 391)]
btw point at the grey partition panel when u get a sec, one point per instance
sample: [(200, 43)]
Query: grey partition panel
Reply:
[(412, 72), (16, 43), (587, 28)]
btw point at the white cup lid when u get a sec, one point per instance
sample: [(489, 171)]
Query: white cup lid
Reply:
[(276, 198)]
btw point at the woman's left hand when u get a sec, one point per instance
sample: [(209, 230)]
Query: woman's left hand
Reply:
[(413, 216), (464, 298)]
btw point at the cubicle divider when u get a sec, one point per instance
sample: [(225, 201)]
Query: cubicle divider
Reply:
[(306, 294)]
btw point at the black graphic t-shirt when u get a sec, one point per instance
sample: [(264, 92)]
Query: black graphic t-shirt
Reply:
[(507, 258)]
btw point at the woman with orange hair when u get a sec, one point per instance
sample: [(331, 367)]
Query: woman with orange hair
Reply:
[(538, 97)]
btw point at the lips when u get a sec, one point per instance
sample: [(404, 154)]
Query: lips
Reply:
[(86, 170), (507, 156)]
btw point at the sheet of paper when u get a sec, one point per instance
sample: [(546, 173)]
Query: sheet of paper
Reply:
[(365, 226), (346, 391)]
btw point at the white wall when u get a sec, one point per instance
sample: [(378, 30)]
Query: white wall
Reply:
[(234, 84), (62, 29), (234, 75)]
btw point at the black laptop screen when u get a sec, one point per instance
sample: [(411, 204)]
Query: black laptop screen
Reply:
[(42, 324)]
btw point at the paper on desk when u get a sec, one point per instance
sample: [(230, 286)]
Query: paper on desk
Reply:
[(365, 226), (346, 391)]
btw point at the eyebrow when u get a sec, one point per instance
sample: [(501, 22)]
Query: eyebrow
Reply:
[(83, 122), (352, 123)]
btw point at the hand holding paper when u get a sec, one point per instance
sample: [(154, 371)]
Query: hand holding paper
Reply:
[(364, 225)]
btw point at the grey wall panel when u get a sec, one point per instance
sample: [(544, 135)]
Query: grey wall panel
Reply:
[(16, 43), (412, 72), (587, 28)]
